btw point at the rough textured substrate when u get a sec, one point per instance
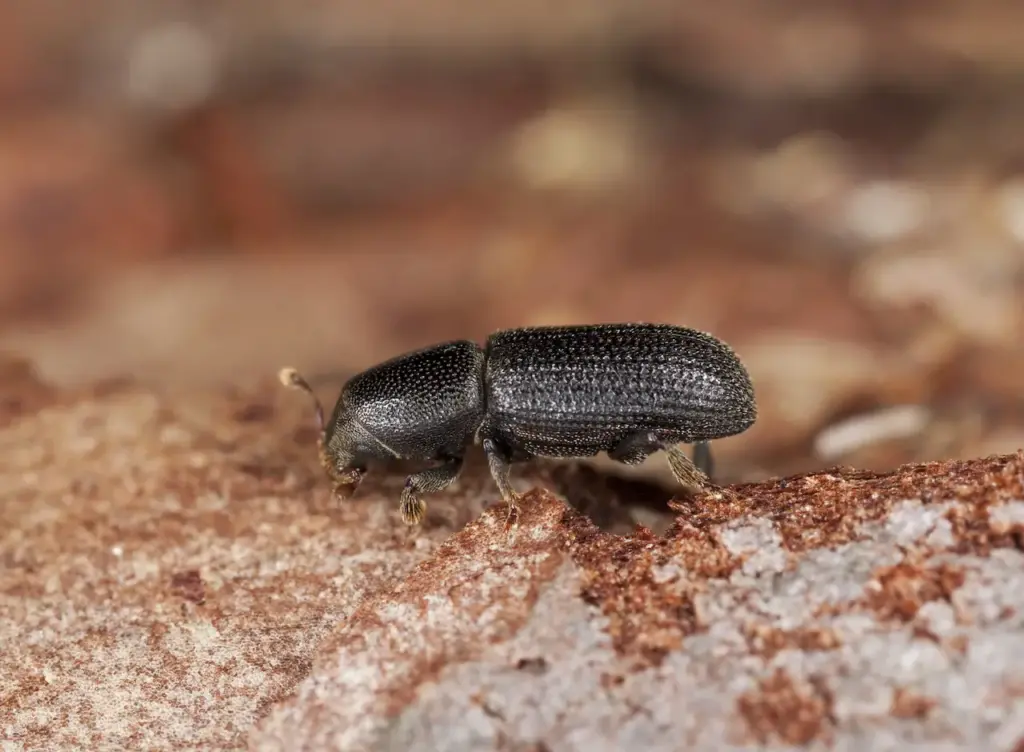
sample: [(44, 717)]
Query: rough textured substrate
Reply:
[(174, 576)]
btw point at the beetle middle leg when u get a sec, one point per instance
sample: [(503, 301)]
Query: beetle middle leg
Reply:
[(500, 463), (431, 480), (634, 449)]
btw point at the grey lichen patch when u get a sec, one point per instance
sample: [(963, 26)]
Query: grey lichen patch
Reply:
[(1008, 517), (757, 543), (911, 522), (522, 688), (472, 593), (989, 596)]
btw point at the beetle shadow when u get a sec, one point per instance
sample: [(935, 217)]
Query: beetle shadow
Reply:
[(614, 503)]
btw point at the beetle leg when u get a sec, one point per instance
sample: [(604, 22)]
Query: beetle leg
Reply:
[(345, 482), (635, 448), (702, 457), (431, 480), (499, 462), (683, 468)]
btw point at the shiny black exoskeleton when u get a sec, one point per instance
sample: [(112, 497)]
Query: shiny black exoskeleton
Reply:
[(571, 391)]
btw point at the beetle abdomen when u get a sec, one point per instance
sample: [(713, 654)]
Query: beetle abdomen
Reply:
[(578, 390), (420, 404)]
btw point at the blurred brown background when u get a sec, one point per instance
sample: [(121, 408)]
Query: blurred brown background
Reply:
[(197, 193)]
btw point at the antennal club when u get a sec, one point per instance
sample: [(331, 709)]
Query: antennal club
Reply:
[(294, 380)]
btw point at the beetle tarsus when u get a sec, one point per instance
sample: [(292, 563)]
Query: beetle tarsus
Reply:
[(431, 480), (636, 448), (411, 507), (512, 518), (345, 482), (685, 472)]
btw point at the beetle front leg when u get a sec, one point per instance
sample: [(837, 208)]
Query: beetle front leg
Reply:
[(411, 506), (345, 482), (499, 461)]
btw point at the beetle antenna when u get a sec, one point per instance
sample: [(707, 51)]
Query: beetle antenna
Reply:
[(294, 380)]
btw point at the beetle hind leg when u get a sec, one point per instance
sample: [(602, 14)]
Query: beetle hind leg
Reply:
[(702, 458), (434, 479), (684, 470), (635, 448)]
